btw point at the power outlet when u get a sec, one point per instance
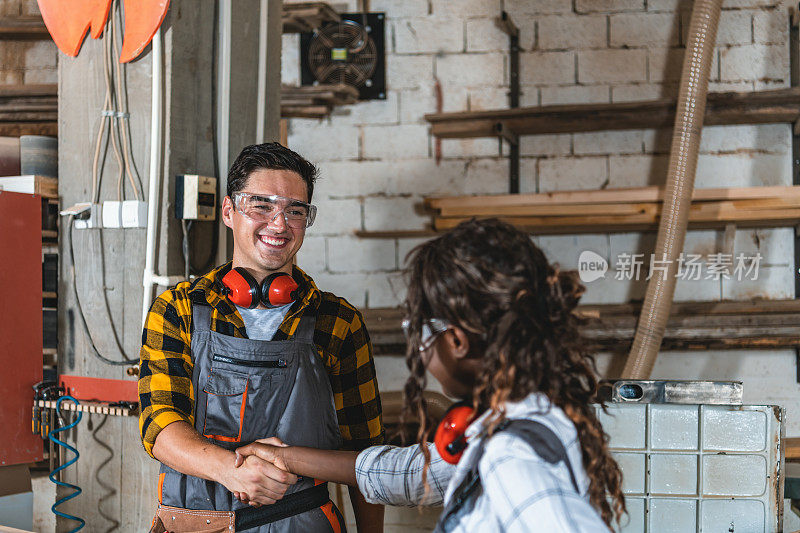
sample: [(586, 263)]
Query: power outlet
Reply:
[(134, 214), (93, 220), (112, 214)]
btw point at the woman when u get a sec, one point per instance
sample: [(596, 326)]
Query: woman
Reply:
[(492, 321)]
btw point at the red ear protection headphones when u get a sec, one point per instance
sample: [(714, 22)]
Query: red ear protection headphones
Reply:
[(242, 289), (449, 438)]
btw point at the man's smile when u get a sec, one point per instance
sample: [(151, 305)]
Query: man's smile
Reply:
[(272, 241)]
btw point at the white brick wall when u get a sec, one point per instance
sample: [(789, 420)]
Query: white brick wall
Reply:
[(755, 61), (470, 70), (428, 35), (572, 31), (547, 68), (612, 66), (376, 158), (644, 29)]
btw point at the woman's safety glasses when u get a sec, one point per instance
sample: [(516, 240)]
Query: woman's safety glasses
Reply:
[(260, 208), (431, 329)]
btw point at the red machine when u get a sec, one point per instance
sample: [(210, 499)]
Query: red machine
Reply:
[(20, 324)]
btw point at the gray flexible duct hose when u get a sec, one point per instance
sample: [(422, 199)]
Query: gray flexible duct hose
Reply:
[(678, 193)]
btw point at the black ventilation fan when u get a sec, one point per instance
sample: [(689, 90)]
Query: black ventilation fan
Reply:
[(350, 51)]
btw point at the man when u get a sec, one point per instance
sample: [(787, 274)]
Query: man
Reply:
[(215, 376)]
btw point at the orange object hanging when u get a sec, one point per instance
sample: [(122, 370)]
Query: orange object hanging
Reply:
[(68, 22), (142, 20)]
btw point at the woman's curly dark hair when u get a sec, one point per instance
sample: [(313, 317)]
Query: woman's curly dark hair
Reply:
[(492, 281)]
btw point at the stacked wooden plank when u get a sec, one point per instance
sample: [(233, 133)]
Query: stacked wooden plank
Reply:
[(315, 101), (304, 17), (728, 325), (28, 110), (23, 28), (761, 107), (629, 209)]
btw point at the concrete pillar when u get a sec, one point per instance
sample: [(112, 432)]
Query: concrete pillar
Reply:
[(117, 477)]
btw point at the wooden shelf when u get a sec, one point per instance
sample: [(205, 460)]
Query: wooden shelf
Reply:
[(28, 110), (23, 28), (727, 325), (304, 17), (615, 210), (315, 101), (399, 234), (761, 107), (44, 186)]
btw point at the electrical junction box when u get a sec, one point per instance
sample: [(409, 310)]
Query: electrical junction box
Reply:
[(134, 214), (112, 214), (195, 197), (89, 217)]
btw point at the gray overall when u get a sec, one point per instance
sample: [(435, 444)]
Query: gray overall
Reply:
[(249, 389)]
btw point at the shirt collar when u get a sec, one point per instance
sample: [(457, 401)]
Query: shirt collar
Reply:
[(534, 403)]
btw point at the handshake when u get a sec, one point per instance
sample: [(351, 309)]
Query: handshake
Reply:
[(260, 475)]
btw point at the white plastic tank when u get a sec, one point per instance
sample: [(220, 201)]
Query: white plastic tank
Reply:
[(694, 459)]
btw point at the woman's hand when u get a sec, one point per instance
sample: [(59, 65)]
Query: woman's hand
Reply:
[(267, 449)]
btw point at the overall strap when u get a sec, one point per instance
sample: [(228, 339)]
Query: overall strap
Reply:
[(201, 318), (305, 330), (544, 442), (541, 438)]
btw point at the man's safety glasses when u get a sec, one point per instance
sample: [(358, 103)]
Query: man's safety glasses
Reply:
[(260, 208), (431, 329)]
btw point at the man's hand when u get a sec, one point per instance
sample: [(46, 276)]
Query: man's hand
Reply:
[(258, 482), (262, 450)]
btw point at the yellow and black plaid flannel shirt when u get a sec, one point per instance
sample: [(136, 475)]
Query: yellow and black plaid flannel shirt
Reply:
[(166, 394)]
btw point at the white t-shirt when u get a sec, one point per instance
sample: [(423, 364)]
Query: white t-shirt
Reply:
[(262, 324)]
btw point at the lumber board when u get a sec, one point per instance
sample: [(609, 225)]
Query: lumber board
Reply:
[(791, 448), (310, 111), (23, 28), (17, 129), (315, 101), (33, 89), (306, 16), (620, 195), (613, 223), (759, 107), (752, 324), (653, 208), (45, 187), (702, 211), (397, 234)]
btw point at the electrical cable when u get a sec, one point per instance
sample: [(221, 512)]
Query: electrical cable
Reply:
[(186, 250), (125, 360), (214, 145), (108, 59), (122, 108), (77, 490)]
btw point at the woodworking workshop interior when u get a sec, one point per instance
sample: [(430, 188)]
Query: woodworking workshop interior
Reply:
[(400, 266)]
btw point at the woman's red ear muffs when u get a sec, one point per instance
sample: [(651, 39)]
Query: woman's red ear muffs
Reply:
[(449, 438), (278, 289), (243, 290)]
